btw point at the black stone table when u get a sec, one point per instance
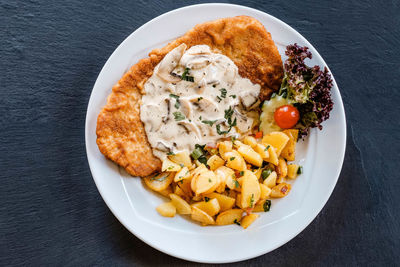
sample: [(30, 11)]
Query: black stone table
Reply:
[(51, 52)]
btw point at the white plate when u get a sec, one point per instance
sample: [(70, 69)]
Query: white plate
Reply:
[(134, 206)]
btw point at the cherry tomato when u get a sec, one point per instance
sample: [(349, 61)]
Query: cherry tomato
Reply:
[(286, 116)]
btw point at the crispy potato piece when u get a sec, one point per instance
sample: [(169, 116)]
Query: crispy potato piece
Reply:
[(159, 182), (250, 190), (262, 151), (289, 151), (258, 172), (262, 206), (235, 161), (211, 207), (166, 209), (205, 182), (277, 139), (182, 207), (227, 175), (270, 181), (170, 166), (238, 201), (185, 186), (182, 158), (281, 190), (248, 219), (229, 217), (273, 157), (201, 216), (225, 202), (250, 155), (225, 146), (215, 162), (166, 191), (281, 169), (292, 171), (250, 141), (294, 133), (182, 174), (265, 191)]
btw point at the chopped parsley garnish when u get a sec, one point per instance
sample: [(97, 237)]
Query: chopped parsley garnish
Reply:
[(241, 173), (211, 123), (237, 185), (236, 222), (170, 153), (199, 154), (228, 117), (209, 180), (170, 167), (252, 200), (199, 98), (232, 158), (265, 174), (158, 178), (178, 116), (233, 96), (223, 92), (206, 199), (219, 99), (177, 103), (267, 205), (185, 76), (267, 147), (300, 170)]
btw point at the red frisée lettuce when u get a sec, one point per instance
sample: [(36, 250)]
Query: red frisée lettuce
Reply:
[(308, 87)]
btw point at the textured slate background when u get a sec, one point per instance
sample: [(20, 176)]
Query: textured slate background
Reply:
[(51, 54)]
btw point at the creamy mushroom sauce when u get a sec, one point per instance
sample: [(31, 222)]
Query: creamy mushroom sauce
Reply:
[(196, 97)]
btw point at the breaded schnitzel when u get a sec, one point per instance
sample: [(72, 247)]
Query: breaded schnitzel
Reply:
[(120, 132)]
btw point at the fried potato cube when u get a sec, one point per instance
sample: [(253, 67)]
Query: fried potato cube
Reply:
[(201, 216), (258, 172), (273, 157), (238, 201), (281, 169), (204, 182), (294, 133), (227, 177), (250, 155), (182, 158), (229, 217), (170, 166), (289, 151), (250, 141), (250, 190), (215, 162), (262, 151), (225, 146), (270, 181), (166, 209), (281, 190), (265, 191), (262, 206), (277, 139), (225, 202), (211, 207), (166, 191), (248, 219), (160, 181), (235, 161), (182, 174), (292, 170), (182, 207)]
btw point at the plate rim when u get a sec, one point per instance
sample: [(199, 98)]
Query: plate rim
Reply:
[(309, 218)]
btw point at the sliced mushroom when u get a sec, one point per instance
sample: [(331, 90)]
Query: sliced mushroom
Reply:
[(190, 128), (249, 101), (186, 107), (169, 63), (204, 104)]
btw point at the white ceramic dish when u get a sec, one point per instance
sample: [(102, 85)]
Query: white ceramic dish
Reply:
[(321, 155)]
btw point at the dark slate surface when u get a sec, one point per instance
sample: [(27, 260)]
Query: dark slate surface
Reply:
[(51, 212)]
